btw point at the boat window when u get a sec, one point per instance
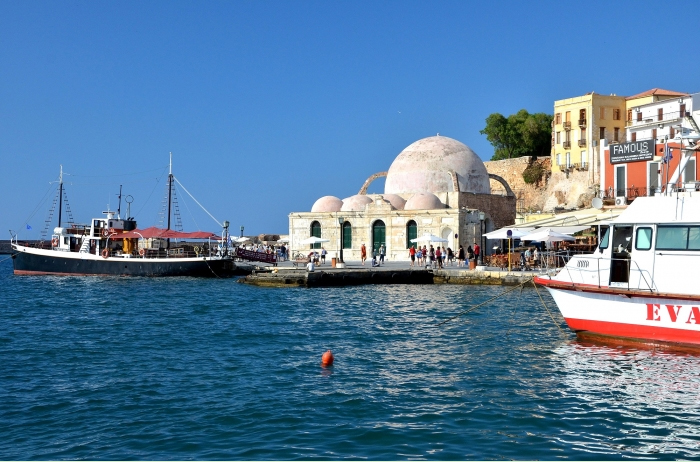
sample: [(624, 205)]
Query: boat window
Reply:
[(694, 238), (622, 237), (605, 239), (672, 238), (643, 239)]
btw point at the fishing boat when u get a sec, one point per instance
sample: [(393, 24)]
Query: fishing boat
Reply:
[(114, 246), (640, 283)]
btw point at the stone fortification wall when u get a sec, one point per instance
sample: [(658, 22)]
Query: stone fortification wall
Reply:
[(501, 209), (554, 190)]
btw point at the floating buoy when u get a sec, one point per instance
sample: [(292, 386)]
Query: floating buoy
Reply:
[(327, 358)]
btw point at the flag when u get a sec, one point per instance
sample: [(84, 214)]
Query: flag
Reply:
[(29, 227), (667, 154)]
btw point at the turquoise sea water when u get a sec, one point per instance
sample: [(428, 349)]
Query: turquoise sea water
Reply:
[(138, 368)]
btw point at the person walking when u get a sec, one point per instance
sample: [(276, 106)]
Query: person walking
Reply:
[(382, 252), (438, 257), (323, 255), (431, 255), (412, 254), (363, 253), (477, 252), (460, 256)]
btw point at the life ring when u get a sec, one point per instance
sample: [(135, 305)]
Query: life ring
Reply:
[(105, 232), (105, 253), (196, 249), (54, 242), (142, 252)]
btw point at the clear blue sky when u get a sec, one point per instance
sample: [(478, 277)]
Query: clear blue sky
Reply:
[(267, 106)]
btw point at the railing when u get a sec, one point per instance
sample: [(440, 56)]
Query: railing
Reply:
[(629, 193), (582, 123), (637, 278), (582, 143), (567, 125), (654, 118), (567, 144)]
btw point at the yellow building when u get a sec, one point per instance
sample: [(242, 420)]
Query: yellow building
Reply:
[(579, 125)]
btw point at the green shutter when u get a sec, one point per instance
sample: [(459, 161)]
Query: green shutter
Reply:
[(347, 235)]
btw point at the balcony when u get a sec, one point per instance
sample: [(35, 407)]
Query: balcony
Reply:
[(567, 125), (582, 123), (567, 144), (582, 143), (653, 119)]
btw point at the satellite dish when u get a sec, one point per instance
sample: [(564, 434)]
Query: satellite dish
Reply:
[(597, 203)]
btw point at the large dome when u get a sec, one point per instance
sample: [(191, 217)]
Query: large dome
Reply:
[(355, 203), (424, 166), (327, 204)]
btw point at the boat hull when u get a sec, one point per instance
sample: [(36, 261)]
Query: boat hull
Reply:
[(26, 262), (650, 318)]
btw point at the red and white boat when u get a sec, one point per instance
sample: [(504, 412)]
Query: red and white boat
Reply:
[(642, 281)]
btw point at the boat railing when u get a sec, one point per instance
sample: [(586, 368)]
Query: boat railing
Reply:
[(584, 267), (162, 253)]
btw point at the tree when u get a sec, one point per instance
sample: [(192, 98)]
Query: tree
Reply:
[(520, 134)]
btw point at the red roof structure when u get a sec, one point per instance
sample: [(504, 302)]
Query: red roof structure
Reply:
[(657, 92), (154, 232)]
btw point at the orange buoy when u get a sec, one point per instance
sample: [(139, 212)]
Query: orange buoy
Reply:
[(327, 358)]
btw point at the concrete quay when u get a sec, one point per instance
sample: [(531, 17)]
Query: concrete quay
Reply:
[(286, 275)]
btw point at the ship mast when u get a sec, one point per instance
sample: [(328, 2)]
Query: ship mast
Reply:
[(60, 195), (170, 192)]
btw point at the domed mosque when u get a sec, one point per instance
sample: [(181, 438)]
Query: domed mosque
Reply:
[(437, 185)]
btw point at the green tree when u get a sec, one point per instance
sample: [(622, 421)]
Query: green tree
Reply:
[(519, 134)]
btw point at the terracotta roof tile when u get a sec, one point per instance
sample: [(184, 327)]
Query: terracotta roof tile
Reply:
[(658, 92)]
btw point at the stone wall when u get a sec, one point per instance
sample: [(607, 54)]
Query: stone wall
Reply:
[(556, 190), (501, 209)]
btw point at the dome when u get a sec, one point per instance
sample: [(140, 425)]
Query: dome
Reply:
[(327, 204), (396, 201), (355, 203), (423, 201), (424, 166)]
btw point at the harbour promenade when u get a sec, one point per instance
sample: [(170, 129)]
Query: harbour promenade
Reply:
[(286, 274)]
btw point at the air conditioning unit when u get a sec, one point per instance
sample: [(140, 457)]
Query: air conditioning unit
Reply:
[(620, 200)]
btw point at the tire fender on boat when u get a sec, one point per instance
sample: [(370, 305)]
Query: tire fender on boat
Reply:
[(105, 232), (142, 252), (105, 253)]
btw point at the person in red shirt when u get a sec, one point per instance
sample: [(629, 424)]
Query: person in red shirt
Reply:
[(477, 252), (412, 253)]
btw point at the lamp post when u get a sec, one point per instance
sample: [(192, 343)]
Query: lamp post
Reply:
[(482, 216), (241, 231), (341, 221)]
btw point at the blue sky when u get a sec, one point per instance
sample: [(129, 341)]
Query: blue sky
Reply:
[(267, 106)]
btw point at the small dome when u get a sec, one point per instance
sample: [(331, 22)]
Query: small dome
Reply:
[(395, 200), (355, 203), (327, 204), (425, 166), (423, 201)]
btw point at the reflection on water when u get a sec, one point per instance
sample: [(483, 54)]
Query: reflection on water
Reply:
[(647, 400)]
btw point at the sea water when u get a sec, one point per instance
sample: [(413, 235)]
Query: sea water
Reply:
[(146, 368)]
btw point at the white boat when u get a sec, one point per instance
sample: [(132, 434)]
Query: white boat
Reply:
[(641, 282)]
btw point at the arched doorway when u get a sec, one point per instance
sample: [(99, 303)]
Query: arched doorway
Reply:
[(411, 233), (449, 235), (316, 231), (347, 235), (378, 235)]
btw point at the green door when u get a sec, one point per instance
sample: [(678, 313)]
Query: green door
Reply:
[(316, 231), (411, 233), (347, 235), (378, 236)]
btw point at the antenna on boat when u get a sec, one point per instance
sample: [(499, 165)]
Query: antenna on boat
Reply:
[(119, 204), (170, 192)]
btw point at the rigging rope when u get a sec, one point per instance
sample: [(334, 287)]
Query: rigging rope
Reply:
[(200, 205)]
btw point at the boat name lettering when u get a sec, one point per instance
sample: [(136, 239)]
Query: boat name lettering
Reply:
[(655, 312)]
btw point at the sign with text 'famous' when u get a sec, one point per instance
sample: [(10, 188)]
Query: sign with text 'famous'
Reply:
[(635, 151)]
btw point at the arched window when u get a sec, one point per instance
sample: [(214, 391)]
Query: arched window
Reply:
[(378, 235), (347, 235), (316, 231), (411, 233)]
